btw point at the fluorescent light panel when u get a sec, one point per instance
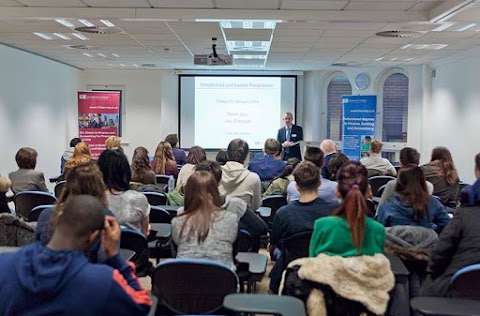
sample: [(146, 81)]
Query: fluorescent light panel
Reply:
[(116, 55), (80, 36), (236, 56), (102, 55), (443, 27), (466, 27), (405, 46), (44, 36), (62, 36), (88, 55), (244, 24), (86, 23), (107, 23), (64, 23)]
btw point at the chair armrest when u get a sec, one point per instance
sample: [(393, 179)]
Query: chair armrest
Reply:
[(445, 306), (264, 304)]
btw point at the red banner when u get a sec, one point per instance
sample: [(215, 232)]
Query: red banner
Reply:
[(98, 118)]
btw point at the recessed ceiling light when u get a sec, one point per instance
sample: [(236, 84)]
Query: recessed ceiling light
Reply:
[(102, 55), (443, 26), (405, 46), (116, 55), (62, 36), (394, 59), (86, 22), (80, 36), (64, 22), (437, 46), (87, 54), (466, 27), (107, 23), (247, 24), (409, 59), (421, 46), (44, 36), (236, 56), (379, 59)]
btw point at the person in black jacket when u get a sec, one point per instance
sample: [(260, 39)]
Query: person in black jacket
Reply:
[(458, 245)]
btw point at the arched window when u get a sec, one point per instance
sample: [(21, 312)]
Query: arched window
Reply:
[(338, 87), (395, 108)]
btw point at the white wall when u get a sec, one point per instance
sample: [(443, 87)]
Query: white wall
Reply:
[(37, 108), (454, 115), (151, 104)]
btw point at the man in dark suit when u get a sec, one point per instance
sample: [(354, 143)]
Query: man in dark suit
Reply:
[(288, 135)]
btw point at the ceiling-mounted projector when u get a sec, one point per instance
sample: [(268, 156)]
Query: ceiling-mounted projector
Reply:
[(213, 59)]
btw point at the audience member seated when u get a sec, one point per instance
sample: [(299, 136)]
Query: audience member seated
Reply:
[(26, 178), (349, 232), (411, 204), (179, 154), (196, 154), (327, 190), (347, 257), (270, 164), (130, 207), (81, 156), (329, 148), (203, 229), (298, 216), (458, 245), (408, 156), (5, 184), (221, 157), (441, 172), (467, 195), (247, 218), (82, 180), (237, 181), (164, 163), (279, 185), (337, 161), (141, 169), (57, 279), (375, 164), (68, 153), (113, 142)]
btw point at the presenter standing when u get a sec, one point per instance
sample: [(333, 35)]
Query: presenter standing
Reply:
[(288, 136)]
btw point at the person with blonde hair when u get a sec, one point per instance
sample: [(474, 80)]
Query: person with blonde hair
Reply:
[(113, 142), (375, 164), (203, 229), (5, 184), (164, 162)]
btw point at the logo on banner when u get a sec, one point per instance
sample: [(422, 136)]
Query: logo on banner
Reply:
[(82, 96)]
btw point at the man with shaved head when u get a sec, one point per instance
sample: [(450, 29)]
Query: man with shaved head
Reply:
[(57, 279), (329, 148)]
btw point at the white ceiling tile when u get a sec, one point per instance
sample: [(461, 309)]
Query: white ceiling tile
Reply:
[(192, 4), (117, 3), (367, 26), (312, 5), (52, 3), (471, 14), (424, 6), (247, 4), (378, 6), (9, 3)]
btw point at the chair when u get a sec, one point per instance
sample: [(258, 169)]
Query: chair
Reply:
[(193, 286), (156, 198), (25, 201), (162, 179), (296, 246), (246, 243), (36, 211), (380, 191), (264, 304), (59, 188), (136, 241), (378, 181), (465, 287), (274, 202), (159, 215)]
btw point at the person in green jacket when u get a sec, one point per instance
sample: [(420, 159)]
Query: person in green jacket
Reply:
[(349, 232)]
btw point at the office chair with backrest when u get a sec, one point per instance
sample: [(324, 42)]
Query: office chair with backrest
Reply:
[(37, 210), (162, 179), (378, 181), (156, 198), (59, 188), (296, 246), (193, 286), (465, 287), (134, 240), (274, 202), (159, 247), (159, 215), (25, 201)]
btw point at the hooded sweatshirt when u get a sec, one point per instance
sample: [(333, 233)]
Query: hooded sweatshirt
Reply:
[(37, 280), (237, 181), (67, 155)]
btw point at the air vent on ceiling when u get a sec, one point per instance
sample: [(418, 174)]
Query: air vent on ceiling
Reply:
[(98, 29), (149, 65), (399, 34), (86, 47)]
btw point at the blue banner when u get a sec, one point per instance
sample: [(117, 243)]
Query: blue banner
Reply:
[(359, 125)]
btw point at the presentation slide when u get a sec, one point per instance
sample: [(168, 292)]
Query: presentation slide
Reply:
[(216, 109)]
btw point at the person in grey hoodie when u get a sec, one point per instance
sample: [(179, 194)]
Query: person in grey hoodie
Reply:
[(237, 180), (68, 153)]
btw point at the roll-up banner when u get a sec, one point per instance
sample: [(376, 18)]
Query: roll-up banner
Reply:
[(98, 118), (359, 125)]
